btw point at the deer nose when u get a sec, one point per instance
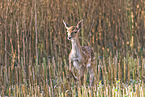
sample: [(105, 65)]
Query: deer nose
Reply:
[(69, 37)]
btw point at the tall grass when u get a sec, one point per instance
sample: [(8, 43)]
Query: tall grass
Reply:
[(34, 48)]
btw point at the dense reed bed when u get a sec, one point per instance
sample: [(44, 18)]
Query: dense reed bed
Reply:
[(34, 48)]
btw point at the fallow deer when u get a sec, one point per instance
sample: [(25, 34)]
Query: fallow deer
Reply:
[(82, 57)]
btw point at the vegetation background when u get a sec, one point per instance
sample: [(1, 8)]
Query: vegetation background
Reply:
[(34, 47)]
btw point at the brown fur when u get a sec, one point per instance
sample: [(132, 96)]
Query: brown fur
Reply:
[(80, 57)]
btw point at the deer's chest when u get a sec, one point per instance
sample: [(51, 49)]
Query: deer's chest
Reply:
[(76, 59)]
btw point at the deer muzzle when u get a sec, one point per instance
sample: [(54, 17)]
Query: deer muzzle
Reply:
[(70, 37)]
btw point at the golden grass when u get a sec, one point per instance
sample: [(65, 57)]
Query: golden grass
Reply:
[(34, 47)]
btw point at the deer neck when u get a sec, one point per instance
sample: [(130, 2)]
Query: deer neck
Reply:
[(76, 48)]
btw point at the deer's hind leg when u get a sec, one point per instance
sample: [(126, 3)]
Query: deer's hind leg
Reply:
[(90, 66), (91, 72)]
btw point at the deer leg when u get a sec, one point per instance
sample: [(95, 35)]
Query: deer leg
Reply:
[(91, 72), (82, 72), (71, 71)]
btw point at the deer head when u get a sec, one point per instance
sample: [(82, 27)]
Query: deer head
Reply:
[(73, 30)]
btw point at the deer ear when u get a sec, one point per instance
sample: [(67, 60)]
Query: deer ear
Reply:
[(66, 25), (80, 24)]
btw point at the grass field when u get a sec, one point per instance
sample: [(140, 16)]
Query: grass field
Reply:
[(45, 80), (34, 48)]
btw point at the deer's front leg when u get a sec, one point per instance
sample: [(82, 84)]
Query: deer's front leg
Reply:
[(71, 70)]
